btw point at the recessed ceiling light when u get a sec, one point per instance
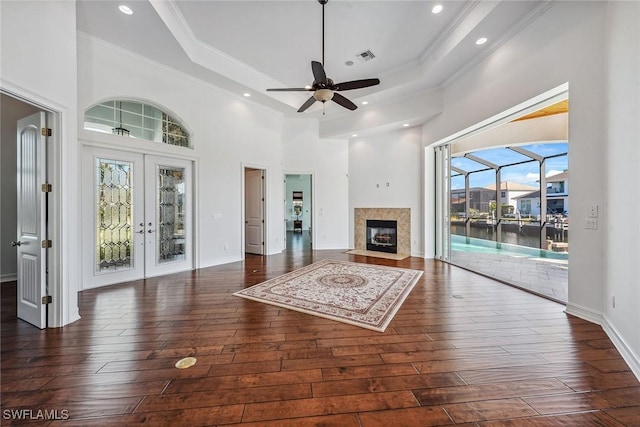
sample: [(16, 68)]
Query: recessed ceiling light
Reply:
[(405, 125), (354, 135), (348, 63), (365, 102), (437, 9), (247, 95), (307, 87), (125, 9), (481, 40)]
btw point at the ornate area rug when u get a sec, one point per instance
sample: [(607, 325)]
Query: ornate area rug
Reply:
[(364, 295)]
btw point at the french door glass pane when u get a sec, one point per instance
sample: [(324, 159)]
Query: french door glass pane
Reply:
[(171, 214), (114, 218)]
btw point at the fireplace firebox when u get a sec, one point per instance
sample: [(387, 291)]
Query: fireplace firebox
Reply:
[(382, 235)]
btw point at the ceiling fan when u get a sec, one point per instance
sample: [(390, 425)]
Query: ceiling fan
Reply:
[(323, 88)]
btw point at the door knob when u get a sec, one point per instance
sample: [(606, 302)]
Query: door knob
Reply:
[(16, 243)]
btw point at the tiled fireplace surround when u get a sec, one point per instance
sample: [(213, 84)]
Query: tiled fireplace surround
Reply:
[(401, 215)]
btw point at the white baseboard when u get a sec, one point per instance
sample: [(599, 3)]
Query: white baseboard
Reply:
[(8, 277), (584, 313), (626, 352), (619, 343)]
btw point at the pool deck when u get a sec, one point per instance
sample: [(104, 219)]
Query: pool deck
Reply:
[(545, 276)]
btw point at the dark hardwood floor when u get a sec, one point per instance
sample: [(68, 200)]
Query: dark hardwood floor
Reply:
[(462, 350)]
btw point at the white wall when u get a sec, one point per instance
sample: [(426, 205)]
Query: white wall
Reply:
[(328, 161), (384, 172), (38, 62), (622, 203), (568, 44), (11, 110), (228, 133)]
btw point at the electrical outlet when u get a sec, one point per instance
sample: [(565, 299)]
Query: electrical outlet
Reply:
[(591, 224)]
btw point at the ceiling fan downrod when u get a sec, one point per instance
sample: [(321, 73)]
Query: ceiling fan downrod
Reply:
[(323, 2)]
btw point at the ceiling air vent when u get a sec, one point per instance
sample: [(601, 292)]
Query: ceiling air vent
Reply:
[(365, 56)]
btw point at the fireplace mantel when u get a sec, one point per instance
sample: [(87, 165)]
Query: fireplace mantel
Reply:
[(401, 215)]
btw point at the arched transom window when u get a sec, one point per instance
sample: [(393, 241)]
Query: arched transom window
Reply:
[(135, 120)]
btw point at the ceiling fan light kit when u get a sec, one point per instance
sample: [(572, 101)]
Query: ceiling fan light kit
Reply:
[(323, 88)]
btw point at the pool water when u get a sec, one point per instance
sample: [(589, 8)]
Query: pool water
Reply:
[(470, 244)]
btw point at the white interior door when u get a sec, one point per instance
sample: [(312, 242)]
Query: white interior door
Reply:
[(254, 211), (137, 216), (31, 225)]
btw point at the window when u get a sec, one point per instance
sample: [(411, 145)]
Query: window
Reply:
[(135, 120)]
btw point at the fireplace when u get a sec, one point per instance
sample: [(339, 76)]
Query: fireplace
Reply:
[(382, 235)]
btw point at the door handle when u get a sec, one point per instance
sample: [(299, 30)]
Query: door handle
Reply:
[(140, 232), (16, 243), (150, 231)]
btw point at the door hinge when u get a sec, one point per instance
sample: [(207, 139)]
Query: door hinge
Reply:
[(46, 188), (45, 131), (262, 243), (46, 299), (46, 244)]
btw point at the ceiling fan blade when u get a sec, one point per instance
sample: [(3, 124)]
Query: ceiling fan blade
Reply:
[(289, 89), (319, 76), (308, 103), (356, 84), (344, 102)]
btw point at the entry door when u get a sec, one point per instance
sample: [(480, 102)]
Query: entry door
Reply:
[(254, 211), (31, 226), (168, 242), (137, 216)]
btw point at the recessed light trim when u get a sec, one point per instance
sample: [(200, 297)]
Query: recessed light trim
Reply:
[(437, 9), (481, 41), (246, 95), (365, 102), (354, 135), (125, 9), (406, 125)]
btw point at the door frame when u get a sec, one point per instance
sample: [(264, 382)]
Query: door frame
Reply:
[(63, 308), (312, 177), (265, 230)]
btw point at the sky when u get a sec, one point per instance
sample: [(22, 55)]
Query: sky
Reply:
[(526, 173)]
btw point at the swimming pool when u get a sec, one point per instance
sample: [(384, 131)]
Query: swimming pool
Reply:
[(470, 244)]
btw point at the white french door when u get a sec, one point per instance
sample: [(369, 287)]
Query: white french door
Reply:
[(137, 216)]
